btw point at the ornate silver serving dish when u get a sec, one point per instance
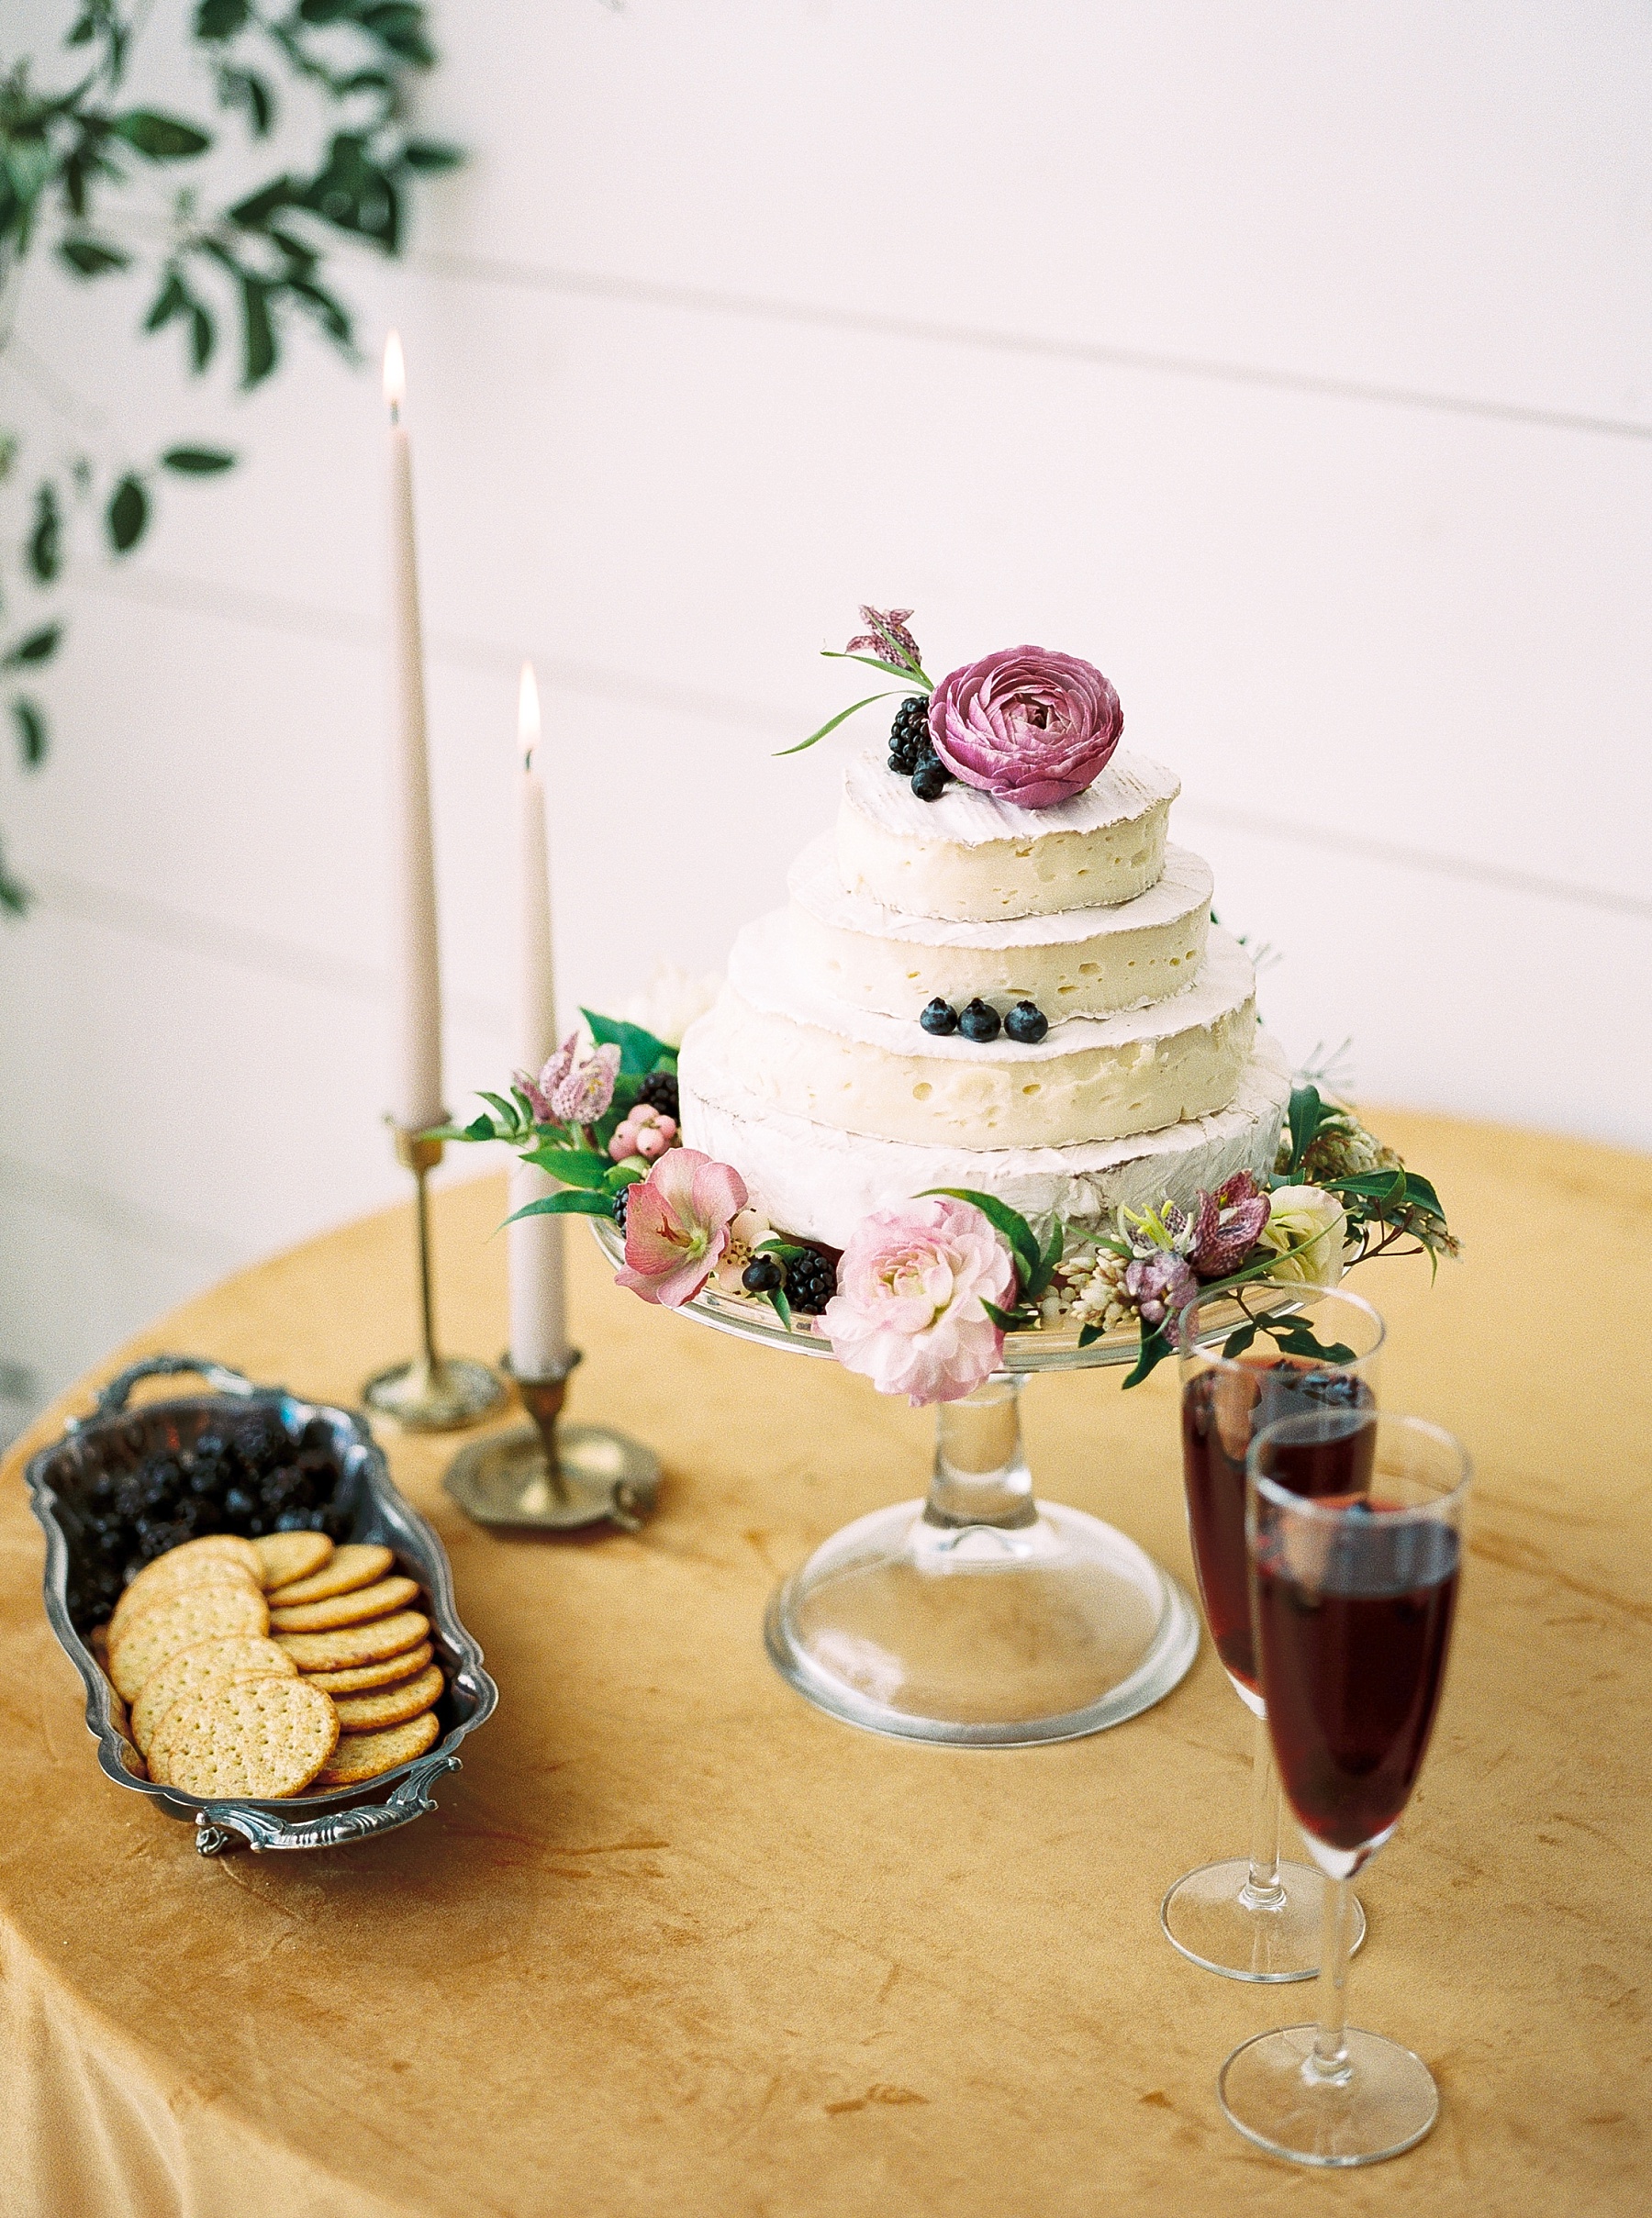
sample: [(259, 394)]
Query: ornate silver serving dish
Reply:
[(365, 1507)]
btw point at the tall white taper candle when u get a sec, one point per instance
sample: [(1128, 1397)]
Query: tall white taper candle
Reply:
[(415, 973), (539, 1331)]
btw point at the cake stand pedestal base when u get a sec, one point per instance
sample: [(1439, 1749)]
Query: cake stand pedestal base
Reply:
[(981, 1617)]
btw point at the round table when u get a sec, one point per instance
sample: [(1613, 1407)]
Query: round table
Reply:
[(676, 1941)]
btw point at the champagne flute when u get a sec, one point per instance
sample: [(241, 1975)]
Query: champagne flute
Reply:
[(1249, 1356), (1354, 1528)]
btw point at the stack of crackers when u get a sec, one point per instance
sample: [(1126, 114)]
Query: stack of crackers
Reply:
[(273, 1667)]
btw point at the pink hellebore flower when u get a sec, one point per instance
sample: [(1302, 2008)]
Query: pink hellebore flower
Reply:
[(908, 1313), (1026, 725), (677, 1225), (1227, 1225)]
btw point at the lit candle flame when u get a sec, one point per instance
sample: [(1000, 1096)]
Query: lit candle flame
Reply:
[(396, 376), (528, 715)]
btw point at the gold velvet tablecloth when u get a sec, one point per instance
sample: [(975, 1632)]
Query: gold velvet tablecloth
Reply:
[(676, 1943)]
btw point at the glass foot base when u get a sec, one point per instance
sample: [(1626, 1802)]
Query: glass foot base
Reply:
[(1207, 1917), (984, 1635), (1383, 2105)]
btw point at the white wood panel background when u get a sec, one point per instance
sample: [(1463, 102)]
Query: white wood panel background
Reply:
[(1295, 365)]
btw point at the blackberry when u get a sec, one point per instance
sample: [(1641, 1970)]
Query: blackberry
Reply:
[(908, 735), (659, 1090), (1027, 1023), (618, 1206), (810, 1282), (980, 1021), (940, 1017)]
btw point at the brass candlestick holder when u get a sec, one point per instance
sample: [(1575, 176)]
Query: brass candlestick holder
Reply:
[(553, 1475), (433, 1393)]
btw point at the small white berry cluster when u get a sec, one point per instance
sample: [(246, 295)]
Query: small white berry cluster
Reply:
[(645, 1131), (1088, 1290)]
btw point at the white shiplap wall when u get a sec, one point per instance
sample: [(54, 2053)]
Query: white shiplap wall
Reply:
[(1294, 363)]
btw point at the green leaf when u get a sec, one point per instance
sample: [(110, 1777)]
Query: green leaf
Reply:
[(1154, 1349), (1295, 1337), (782, 1307), (255, 212), (639, 1051), (219, 20), (1238, 1340), (31, 732), (908, 671), (325, 11), (431, 156), (46, 541), (1307, 1112), (160, 137), (1007, 1321), (573, 1165), (842, 718), (334, 315), (38, 647), (573, 1202), (170, 301), (1087, 1334), (258, 356), (788, 1250), (197, 462), (481, 1129), (1002, 1218), (203, 333), (127, 515), (15, 896), (619, 1175), (93, 257)]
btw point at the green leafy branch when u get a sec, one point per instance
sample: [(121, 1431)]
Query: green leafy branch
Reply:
[(69, 161)]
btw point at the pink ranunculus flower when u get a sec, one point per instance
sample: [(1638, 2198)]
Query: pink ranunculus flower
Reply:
[(909, 1313), (677, 1225), (1026, 725)]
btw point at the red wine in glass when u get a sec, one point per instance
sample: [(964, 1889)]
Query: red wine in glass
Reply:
[(1353, 1645), (1222, 1410)]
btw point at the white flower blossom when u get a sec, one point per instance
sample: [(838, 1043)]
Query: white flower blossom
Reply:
[(671, 1000), (1313, 1224)]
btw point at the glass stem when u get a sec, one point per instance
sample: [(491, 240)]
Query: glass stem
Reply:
[(1329, 2059), (981, 1475), (1262, 1889)]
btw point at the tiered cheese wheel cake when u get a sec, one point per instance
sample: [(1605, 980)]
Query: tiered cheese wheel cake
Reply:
[(815, 1079)]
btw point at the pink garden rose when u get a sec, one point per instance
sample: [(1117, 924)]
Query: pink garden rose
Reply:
[(908, 1312), (677, 1225), (1026, 725)]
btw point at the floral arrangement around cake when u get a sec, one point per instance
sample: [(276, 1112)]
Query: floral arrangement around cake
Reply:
[(924, 1290)]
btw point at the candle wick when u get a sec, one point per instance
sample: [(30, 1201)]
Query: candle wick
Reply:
[(395, 413), (528, 758)]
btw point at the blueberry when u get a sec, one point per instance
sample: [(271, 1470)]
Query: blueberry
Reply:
[(978, 1022), (1027, 1023), (940, 1018), (761, 1276), (930, 779)]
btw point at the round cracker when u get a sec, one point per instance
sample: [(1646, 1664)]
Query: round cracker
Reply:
[(391, 1705), (204, 1571), (356, 1563), (368, 1644), (367, 1755), (265, 1737), (242, 1655), (284, 1556), (194, 1613), (361, 1678), (353, 1608)]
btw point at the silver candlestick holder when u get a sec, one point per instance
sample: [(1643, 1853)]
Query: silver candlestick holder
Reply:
[(555, 1477), (433, 1393)]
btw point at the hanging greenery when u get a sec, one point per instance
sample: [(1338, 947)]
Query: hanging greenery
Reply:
[(238, 276)]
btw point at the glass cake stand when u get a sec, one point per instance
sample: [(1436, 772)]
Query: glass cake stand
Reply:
[(980, 1616)]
